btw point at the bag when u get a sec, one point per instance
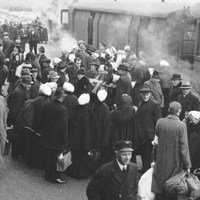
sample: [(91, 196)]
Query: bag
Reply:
[(64, 161), (144, 186), (177, 184), (193, 185)]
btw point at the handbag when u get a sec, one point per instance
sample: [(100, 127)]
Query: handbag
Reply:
[(177, 184), (193, 185), (64, 161)]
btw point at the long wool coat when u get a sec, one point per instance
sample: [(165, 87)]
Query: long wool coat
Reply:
[(172, 152)]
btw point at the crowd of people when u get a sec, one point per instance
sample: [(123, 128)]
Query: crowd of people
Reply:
[(89, 101)]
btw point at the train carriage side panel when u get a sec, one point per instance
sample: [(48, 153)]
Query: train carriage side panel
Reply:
[(133, 35), (80, 20), (114, 29)]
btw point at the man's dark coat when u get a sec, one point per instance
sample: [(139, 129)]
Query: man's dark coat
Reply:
[(109, 183), (54, 126)]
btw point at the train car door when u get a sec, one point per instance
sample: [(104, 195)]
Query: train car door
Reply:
[(188, 39)]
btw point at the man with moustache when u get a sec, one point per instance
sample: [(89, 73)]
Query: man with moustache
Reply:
[(148, 114), (117, 179)]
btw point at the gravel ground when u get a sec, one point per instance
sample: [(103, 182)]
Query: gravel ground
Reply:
[(18, 182)]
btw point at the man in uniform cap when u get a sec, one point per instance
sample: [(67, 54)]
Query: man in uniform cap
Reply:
[(188, 101), (116, 179)]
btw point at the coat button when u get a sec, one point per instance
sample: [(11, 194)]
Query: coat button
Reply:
[(120, 195)]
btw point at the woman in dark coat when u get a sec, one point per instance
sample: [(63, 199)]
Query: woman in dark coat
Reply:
[(83, 137), (123, 122), (70, 101), (34, 153), (102, 113)]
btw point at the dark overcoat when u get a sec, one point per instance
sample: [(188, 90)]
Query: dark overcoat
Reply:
[(123, 86), (172, 152), (54, 126), (189, 103), (176, 91), (83, 131), (148, 114), (70, 102), (19, 96), (109, 184)]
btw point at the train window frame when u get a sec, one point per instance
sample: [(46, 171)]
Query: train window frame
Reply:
[(64, 16)]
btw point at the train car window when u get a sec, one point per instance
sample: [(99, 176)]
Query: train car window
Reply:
[(64, 17)]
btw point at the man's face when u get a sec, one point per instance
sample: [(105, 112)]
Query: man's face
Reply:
[(78, 63), (34, 74), (79, 76), (124, 157), (55, 80), (185, 91), (120, 72), (145, 96), (27, 86), (175, 82), (45, 64)]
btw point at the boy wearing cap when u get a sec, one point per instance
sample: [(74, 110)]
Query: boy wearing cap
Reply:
[(117, 179)]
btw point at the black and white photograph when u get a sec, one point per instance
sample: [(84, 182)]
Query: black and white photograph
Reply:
[(100, 100)]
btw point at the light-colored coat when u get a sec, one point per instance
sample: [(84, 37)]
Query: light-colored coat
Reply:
[(172, 152)]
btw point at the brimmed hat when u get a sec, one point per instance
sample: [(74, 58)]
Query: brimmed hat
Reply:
[(46, 60), (124, 66), (176, 77), (145, 90), (25, 72), (102, 60), (186, 85), (81, 71), (108, 57), (64, 52), (42, 49), (123, 145), (62, 65), (53, 74), (27, 79), (156, 75), (94, 63), (5, 34)]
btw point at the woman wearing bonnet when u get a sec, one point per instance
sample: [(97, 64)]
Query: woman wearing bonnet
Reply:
[(193, 126)]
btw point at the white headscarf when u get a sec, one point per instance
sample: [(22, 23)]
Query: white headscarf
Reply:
[(195, 114), (102, 94), (84, 99), (45, 89), (68, 87)]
